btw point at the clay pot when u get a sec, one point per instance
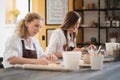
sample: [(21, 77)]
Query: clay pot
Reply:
[(86, 58), (113, 40), (91, 6)]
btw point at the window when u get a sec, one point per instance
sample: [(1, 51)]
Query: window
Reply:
[(16, 10)]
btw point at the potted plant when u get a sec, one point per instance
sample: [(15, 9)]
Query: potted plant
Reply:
[(111, 3), (15, 13), (113, 36)]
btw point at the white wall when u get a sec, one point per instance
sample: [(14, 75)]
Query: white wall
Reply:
[(7, 29), (23, 7), (2, 12), (5, 32)]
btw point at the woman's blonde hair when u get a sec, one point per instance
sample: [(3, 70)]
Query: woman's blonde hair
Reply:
[(21, 28)]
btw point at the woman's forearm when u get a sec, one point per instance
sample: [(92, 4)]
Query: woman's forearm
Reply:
[(19, 60)]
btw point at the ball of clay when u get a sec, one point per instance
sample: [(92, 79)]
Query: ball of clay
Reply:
[(86, 58)]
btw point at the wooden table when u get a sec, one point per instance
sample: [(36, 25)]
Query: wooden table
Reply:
[(110, 71)]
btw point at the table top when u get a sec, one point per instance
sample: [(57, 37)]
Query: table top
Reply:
[(110, 71)]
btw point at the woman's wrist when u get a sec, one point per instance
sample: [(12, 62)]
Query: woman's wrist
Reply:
[(59, 55)]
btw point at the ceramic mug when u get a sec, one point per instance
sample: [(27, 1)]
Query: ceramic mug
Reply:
[(72, 59)]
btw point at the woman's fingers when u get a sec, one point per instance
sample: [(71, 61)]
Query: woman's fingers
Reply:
[(52, 57), (92, 47), (76, 49), (43, 61)]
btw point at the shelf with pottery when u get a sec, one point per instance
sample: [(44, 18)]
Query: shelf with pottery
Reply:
[(94, 22)]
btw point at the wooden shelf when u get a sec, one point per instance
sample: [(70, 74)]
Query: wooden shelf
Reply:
[(97, 14)]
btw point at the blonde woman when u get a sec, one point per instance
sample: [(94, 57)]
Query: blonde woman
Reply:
[(22, 47)]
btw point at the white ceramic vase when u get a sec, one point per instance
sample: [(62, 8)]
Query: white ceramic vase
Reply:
[(113, 40)]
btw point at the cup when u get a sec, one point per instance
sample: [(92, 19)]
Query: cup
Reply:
[(96, 62), (110, 47), (93, 39), (72, 59), (116, 54)]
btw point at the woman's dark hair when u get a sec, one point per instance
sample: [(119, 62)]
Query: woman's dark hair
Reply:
[(69, 21)]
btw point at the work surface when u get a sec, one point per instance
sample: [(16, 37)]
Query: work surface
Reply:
[(110, 71)]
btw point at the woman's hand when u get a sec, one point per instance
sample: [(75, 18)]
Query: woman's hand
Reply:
[(91, 46), (42, 61), (76, 49), (51, 57), (83, 49)]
